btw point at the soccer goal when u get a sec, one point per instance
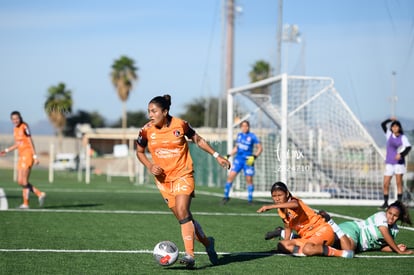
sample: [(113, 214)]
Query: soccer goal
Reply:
[(312, 141)]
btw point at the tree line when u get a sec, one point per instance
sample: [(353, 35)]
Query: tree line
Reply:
[(201, 112)]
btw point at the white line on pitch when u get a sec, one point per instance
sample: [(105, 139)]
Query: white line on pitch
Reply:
[(146, 251), (167, 213), (140, 212)]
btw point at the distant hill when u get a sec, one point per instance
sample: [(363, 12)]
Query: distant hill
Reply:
[(42, 127)]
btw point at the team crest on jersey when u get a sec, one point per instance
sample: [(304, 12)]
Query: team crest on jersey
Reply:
[(176, 133), (153, 136)]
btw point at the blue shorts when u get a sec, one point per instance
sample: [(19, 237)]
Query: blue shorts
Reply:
[(239, 164)]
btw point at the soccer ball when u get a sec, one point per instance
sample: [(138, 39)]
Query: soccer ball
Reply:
[(165, 253)]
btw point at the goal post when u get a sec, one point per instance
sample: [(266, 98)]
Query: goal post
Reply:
[(312, 141)]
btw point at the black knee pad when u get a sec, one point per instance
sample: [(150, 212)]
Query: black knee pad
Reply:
[(186, 220)]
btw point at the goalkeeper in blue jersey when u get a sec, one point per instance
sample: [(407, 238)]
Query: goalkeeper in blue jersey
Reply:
[(247, 149)]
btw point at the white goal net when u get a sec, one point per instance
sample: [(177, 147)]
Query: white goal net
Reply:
[(312, 141)]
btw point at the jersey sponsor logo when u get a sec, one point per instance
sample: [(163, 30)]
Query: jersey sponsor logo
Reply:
[(163, 153), (244, 147)]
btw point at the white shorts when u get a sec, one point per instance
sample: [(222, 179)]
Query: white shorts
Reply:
[(394, 169)]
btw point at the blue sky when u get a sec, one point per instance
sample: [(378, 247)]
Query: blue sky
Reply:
[(177, 46)]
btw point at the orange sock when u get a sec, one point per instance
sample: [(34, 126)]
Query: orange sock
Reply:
[(25, 194), (187, 232), (331, 252)]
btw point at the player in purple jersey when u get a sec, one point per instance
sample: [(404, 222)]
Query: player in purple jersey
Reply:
[(247, 149), (398, 147)]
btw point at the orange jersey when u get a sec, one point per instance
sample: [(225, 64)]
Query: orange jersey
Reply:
[(302, 219), (169, 148), (22, 138)]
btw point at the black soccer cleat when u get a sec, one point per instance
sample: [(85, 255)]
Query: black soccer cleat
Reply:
[(188, 261), (274, 234), (225, 201)]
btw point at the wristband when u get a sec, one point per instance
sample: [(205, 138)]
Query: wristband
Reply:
[(35, 156), (6, 150), (215, 155)]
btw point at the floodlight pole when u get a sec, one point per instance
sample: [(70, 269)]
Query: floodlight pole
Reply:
[(229, 63), (279, 38), (229, 44), (283, 129)]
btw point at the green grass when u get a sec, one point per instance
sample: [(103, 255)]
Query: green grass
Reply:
[(111, 228)]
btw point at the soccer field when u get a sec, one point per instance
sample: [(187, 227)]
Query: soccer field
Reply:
[(111, 228)]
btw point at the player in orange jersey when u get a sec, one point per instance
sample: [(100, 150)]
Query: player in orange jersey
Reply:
[(27, 157), (172, 166), (316, 236)]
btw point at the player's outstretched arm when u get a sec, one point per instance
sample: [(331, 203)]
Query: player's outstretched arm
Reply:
[(8, 149), (392, 246), (203, 144)]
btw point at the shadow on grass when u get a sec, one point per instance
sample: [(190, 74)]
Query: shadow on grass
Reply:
[(233, 258), (245, 256)]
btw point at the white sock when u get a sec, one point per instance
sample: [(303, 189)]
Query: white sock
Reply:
[(338, 231), (282, 234)]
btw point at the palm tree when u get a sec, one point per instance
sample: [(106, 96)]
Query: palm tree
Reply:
[(58, 106), (123, 76), (260, 70)]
